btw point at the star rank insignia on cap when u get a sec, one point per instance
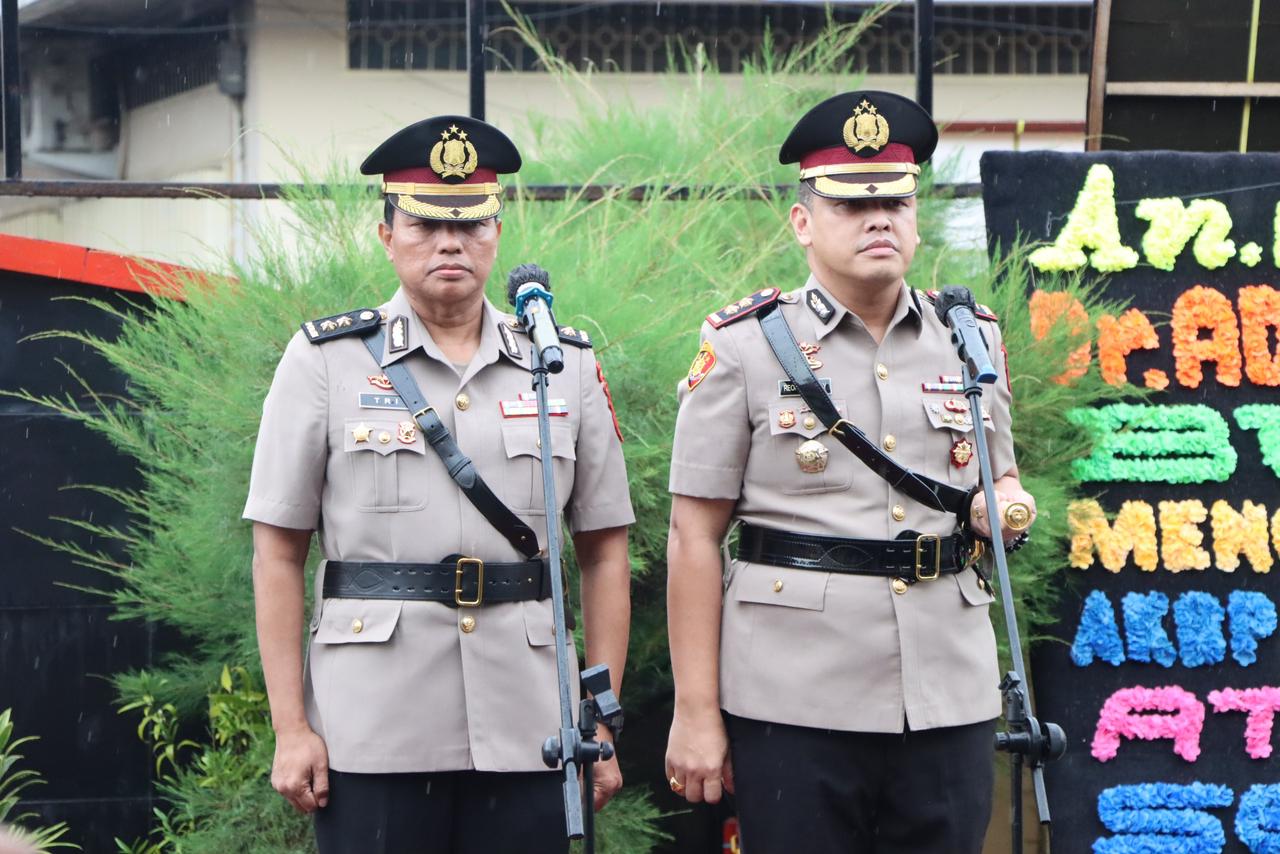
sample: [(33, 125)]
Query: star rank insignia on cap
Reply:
[(338, 325), (743, 307), (576, 337)]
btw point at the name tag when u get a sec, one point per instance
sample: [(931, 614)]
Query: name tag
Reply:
[(786, 388), (381, 401)]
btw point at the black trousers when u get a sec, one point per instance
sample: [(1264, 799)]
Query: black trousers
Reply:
[(451, 812), (829, 792)]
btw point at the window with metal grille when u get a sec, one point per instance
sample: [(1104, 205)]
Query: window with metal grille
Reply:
[(637, 37)]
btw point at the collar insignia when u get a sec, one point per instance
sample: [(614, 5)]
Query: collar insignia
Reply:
[(818, 305)]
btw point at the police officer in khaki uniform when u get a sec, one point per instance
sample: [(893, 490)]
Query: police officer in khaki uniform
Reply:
[(416, 722), (839, 673)]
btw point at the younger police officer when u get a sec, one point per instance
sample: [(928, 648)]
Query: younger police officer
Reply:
[(850, 647), (417, 722)]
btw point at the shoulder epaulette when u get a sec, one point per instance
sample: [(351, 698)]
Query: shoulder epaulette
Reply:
[(337, 325), (743, 307), (576, 337), (980, 310)]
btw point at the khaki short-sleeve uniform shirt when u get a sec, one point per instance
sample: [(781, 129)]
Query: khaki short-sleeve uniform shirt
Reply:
[(422, 686), (828, 650)]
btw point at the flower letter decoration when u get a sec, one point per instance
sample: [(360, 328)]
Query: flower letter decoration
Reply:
[(1252, 617), (1199, 616), (1134, 531), (1098, 635), (1184, 443), (1259, 315), (1172, 226), (1265, 418), (1181, 536), (1258, 818), (1092, 224), (1118, 720), (1205, 308), (1143, 626), (1261, 705), (1245, 531), (1048, 308), (1120, 336), (1151, 818)]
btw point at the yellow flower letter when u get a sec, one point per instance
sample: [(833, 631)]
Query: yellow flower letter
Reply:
[(1092, 224)]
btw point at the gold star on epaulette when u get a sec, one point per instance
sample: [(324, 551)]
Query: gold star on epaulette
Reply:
[(743, 307), (338, 325)]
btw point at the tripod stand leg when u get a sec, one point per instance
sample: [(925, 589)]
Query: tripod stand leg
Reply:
[(588, 808), (1015, 794)]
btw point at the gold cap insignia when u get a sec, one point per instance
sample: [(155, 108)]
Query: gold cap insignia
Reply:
[(866, 128), (453, 156)]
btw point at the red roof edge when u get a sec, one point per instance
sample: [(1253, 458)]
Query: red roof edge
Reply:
[(71, 263)]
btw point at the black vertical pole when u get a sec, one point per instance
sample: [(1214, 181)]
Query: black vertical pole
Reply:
[(924, 54), (12, 91), (475, 56)]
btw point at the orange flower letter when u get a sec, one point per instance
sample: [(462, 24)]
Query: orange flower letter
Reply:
[(1120, 336), (1259, 314), (1047, 308), (1205, 308)]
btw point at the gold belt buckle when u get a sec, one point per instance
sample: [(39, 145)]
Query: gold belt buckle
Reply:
[(421, 412), (937, 556), (463, 563)]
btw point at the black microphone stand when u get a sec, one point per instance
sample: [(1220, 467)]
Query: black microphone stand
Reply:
[(1025, 739), (574, 747)]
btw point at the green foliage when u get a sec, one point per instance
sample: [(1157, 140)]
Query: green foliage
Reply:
[(638, 275), (13, 782), (218, 795)]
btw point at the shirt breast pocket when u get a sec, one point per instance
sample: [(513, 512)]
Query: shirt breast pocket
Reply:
[(522, 479), (805, 459), (388, 464)]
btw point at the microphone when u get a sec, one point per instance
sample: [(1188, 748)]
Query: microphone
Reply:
[(955, 308), (529, 290)]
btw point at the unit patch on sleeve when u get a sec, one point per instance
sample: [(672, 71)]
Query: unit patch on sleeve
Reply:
[(702, 364)]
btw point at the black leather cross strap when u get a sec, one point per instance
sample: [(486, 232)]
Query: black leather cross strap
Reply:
[(459, 581), (926, 490), (912, 557), (459, 465)]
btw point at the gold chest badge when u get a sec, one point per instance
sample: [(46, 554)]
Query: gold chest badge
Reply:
[(811, 456), (453, 156), (866, 128)]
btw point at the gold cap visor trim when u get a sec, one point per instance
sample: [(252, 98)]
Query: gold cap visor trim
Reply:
[(464, 209), (858, 169), (408, 188), (885, 185)]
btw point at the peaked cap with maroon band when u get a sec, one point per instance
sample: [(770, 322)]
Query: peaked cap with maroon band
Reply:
[(860, 145), (444, 168)]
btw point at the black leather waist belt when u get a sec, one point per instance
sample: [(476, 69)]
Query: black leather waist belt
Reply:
[(912, 557), (459, 581)]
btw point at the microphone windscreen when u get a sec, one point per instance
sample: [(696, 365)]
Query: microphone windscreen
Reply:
[(950, 297), (523, 275)]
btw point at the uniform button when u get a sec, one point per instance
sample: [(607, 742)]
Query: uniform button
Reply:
[(357, 626), (899, 513), (890, 442), (777, 586), (810, 422), (468, 624), (899, 586), (462, 401), (882, 370)]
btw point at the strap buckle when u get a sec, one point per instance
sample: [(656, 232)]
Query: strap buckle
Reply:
[(835, 428), (421, 412), (937, 556), (463, 563)]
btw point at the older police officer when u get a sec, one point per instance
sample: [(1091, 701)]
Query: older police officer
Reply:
[(417, 721), (844, 679)]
